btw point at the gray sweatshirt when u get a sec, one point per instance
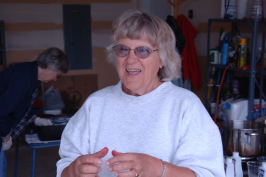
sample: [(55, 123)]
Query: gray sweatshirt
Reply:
[(169, 123)]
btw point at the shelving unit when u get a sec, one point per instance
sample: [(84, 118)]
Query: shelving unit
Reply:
[(2, 45), (254, 74)]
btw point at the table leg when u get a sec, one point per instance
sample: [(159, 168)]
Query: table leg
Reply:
[(33, 162)]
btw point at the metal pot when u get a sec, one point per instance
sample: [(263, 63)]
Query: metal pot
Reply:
[(245, 137)]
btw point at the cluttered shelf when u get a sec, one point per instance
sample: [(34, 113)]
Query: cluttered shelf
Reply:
[(247, 52), (235, 92)]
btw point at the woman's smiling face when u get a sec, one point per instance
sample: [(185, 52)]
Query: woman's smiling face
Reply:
[(139, 76)]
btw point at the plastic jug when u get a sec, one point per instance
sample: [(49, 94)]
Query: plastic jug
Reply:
[(229, 167), (237, 164), (257, 9)]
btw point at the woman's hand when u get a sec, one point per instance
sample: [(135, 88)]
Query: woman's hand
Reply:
[(85, 165), (7, 143), (134, 164)]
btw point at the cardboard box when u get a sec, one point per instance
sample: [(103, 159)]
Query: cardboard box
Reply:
[(74, 89)]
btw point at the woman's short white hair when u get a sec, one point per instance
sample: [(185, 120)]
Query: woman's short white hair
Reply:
[(134, 24)]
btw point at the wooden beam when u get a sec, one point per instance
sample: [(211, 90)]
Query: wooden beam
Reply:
[(175, 4), (63, 1), (95, 26)]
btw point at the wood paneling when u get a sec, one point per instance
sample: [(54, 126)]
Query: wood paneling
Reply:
[(95, 26), (203, 69), (32, 26), (99, 25), (22, 56), (63, 1), (243, 27)]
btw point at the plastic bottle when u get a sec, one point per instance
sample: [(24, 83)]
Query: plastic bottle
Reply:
[(237, 161), (232, 51), (241, 8), (229, 9), (243, 52), (225, 51), (256, 12), (262, 170), (229, 167)]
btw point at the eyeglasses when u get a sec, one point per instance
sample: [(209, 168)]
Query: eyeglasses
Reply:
[(141, 51)]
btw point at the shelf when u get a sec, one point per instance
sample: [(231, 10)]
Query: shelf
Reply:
[(234, 25), (236, 20), (256, 76), (234, 68)]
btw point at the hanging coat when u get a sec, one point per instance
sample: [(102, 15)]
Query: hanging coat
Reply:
[(189, 55), (180, 39)]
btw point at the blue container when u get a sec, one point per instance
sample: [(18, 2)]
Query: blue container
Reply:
[(225, 51)]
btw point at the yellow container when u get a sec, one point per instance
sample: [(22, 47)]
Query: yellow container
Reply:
[(243, 41), (242, 52)]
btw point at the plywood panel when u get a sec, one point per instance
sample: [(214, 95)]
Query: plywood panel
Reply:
[(52, 12), (30, 40), (100, 26), (63, 1), (31, 13), (202, 60), (32, 26), (22, 56), (243, 27)]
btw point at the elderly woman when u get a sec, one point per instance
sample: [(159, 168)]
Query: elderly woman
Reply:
[(18, 88), (144, 126)]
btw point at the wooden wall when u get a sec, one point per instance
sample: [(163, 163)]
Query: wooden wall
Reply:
[(32, 26)]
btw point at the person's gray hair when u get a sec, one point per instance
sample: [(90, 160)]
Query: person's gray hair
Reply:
[(134, 24), (53, 58)]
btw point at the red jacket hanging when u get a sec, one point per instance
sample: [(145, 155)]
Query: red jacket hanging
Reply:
[(189, 55)]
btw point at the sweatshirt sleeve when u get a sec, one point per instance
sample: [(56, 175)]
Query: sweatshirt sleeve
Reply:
[(200, 146), (75, 139)]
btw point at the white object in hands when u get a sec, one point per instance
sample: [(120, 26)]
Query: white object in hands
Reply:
[(7, 145), (42, 122)]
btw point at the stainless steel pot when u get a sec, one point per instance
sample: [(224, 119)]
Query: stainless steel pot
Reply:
[(245, 137)]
